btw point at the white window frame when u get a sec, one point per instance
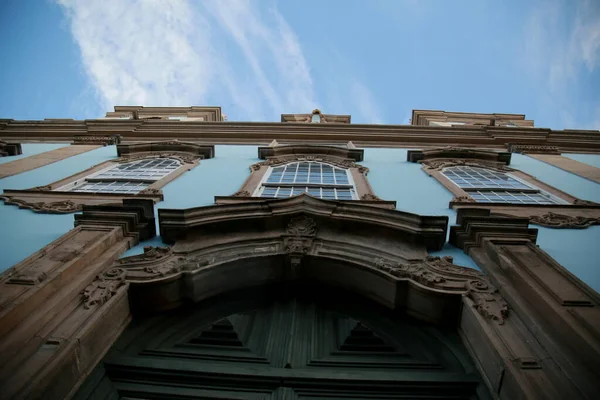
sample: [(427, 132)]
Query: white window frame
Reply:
[(529, 190), (263, 182), (89, 178)]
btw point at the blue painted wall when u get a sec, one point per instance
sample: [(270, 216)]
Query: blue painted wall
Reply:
[(222, 175), (30, 149), (29, 231), (391, 176), (563, 180), (589, 159)]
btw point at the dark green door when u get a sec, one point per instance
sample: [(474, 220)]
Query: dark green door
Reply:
[(307, 344)]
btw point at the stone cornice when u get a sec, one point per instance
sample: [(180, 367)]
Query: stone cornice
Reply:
[(532, 149), (477, 224), (10, 149), (135, 216), (428, 230), (254, 133), (333, 151), (193, 149), (458, 152)]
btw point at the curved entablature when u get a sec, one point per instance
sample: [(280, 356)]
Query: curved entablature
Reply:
[(260, 215), (331, 151), (494, 157), (376, 253), (191, 149)]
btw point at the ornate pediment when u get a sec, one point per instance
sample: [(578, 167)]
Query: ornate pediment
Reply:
[(493, 158), (188, 152)]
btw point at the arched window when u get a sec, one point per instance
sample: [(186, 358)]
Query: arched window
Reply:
[(489, 186), (127, 178), (315, 178)]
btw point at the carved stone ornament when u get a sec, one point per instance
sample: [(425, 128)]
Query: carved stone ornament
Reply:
[(55, 207), (529, 149), (338, 162), (242, 193), (103, 140), (103, 287), (302, 226), (150, 192), (560, 221), (184, 158), (370, 196), (42, 188), (441, 273), (439, 164), (463, 199), (579, 202)]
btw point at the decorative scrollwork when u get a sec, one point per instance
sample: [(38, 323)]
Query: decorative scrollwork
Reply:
[(442, 273), (560, 221), (150, 254), (55, 207), (463, 199), (370, 196), (184, 158), (439, 164), (150, 192), (337, 161), (103, 287), (241, 193)]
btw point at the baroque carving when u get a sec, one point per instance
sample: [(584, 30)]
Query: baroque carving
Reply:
[(150, 254), (241, 193), (103, 140), (55, 207), (184, 158), (529, 149), (42, 188), (463, 199), (302, 225), (442, 273), (338, 162), (439, 164), (150, 192), (579, 202), (103, 287), (370, 196), (560, 221)]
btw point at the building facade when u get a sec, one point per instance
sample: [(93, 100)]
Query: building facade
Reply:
[(166, 252)]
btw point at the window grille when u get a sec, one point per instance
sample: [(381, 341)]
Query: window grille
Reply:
[(488, 186), (128, 178), (315, 178)]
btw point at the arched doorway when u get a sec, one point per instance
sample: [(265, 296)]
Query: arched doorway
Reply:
[(290, 341)]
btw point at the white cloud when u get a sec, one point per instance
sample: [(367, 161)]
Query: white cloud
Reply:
[(368, 109), (167, 53), (560, 51)]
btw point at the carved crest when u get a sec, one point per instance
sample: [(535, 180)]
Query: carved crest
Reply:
[(302, 225), (103, 287)]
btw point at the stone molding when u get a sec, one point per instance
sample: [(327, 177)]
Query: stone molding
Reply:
[(561, 221), (54, 207), (338, 162), (253, 133), (168, 148), (330, 151), (477, 224), (430, 230), (136, 216), (440, 164), (451, 152), (96, 139), (533, 149), (10, 149)]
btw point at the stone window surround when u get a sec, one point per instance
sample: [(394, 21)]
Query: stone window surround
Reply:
[(47, 199), (351, 185), (574, 213), (276, 155)]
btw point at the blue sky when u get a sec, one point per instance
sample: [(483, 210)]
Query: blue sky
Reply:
[(374, 59)]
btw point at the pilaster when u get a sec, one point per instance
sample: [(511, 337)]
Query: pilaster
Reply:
[(557, 315), (50, 339)]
